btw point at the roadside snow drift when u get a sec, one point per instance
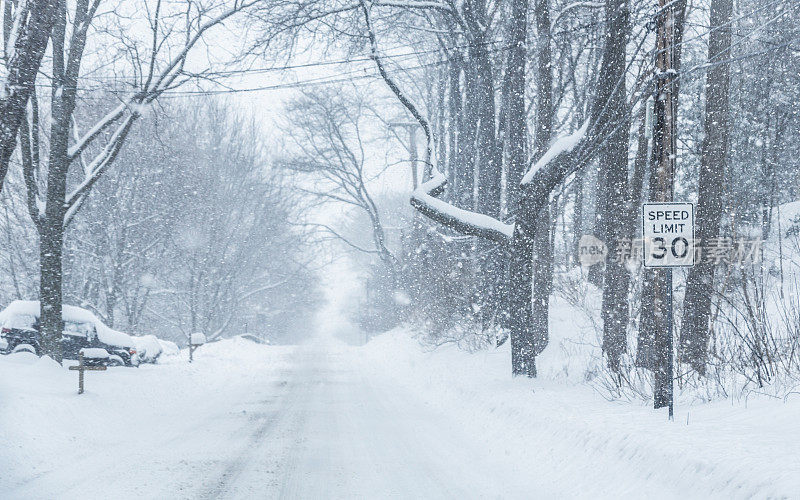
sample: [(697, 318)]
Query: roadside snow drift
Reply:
[(576, 444)]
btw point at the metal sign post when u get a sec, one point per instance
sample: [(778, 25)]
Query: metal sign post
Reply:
[(664, 155), (668, 242)]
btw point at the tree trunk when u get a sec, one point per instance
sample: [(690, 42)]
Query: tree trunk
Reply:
[(465, 168), (517, 302), (489, 167), (543, 253), (700, 282), (51, 233), (542, 281), (516, 133), (639, 167), (577, 216), (523, 353), (50, 292), (21, 69), (454, 170), (613, 195)]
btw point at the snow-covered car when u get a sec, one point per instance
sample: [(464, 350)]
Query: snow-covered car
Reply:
[(148, 347), (169, 348), (19, 328)]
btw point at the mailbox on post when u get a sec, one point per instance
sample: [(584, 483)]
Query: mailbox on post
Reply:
[(91, 359), (195, 341)]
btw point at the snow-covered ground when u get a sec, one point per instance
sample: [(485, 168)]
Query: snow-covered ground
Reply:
[(570, 442), (159, 431), (385, 420)]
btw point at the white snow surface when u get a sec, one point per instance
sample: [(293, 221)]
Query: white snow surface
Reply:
[(31, 308), (385, 420), (168, 347)]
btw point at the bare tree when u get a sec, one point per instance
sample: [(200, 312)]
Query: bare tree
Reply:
[(328, 139), (563, 158), (51, 205)]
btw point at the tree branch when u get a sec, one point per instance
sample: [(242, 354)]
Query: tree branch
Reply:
[(463, 221)]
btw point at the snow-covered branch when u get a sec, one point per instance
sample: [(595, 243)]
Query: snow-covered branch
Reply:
[(97, 167), (576, 5), (565, 156), (87, 138), (168, 74), (563, 146), (153, 88), (411, 4), (463, 221), (133, 107)]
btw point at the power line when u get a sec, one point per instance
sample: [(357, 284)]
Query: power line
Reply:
[(271, 69), (348, 76)]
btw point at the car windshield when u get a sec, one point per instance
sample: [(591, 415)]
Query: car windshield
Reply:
[(78, 329), (20, 321)]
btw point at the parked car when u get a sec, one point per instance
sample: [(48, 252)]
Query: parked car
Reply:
[(168, 348), (19, 328), (149, 348)]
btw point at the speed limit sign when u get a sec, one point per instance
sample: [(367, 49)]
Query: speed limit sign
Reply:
[(668, 234)]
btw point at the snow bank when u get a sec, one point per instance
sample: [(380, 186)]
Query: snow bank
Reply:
[(589, 446), (168, 348), (148, 348)]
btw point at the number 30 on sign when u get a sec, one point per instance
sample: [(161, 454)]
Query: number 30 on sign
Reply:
[(668, 234)]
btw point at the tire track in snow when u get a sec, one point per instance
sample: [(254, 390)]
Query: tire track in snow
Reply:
[(271, 414)]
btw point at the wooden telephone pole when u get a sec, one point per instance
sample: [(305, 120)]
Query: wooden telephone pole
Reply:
[(664, 155), (411, 129)]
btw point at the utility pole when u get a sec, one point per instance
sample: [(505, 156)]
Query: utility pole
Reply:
[(664, 154), (411, 129), (417, 233)]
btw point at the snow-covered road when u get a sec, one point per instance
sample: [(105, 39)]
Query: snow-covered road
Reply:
[(335, 433), (306, 423), (327, 420)]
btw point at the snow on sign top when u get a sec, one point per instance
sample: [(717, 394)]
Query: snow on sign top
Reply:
[(94, 353), (668, 234)]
